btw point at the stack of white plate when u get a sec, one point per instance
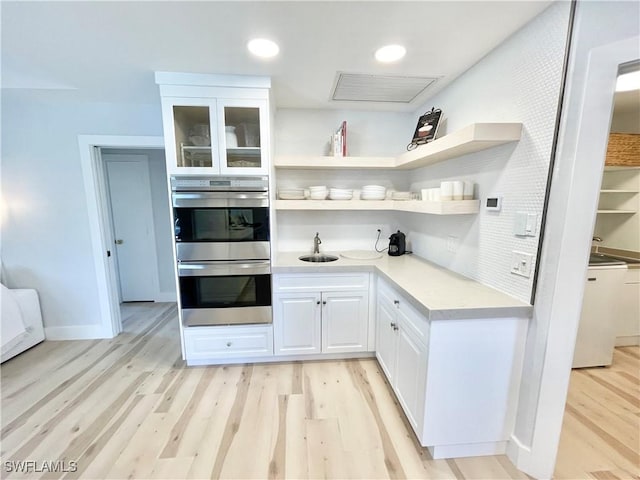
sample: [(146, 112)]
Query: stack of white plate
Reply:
[(373, 192), (340, 194), (401, 196), (318, 192), (291, 194)]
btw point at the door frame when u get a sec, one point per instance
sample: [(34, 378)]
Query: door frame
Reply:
[(144, 159), (99, 224), (575, 188)]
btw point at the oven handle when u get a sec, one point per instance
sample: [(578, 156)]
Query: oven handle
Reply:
[(222, 268), (220, 199)]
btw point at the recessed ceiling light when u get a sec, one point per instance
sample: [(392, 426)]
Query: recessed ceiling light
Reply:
[(628, 81), (390, 53), (261, 47)]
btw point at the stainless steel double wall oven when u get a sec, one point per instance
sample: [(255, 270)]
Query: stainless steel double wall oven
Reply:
[(221, 227)]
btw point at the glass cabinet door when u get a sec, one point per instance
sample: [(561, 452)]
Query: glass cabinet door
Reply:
[(192, 138), (243, 136)]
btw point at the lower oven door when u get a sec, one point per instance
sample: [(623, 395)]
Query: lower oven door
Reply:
[(225, 292)]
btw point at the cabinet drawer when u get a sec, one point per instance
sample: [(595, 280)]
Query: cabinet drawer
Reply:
[(334, 282), (410, 316), (249, 341)]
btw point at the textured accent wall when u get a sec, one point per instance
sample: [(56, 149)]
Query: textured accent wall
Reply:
[(519, 81)]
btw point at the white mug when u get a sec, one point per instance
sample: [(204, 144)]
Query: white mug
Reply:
[(446, 191), (468, 190), (458, 190)]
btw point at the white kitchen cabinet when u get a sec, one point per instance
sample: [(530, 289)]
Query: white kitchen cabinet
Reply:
[(312, 314), (297, 323), (457, 380), (401, 349), (345, 322), (628, 327), (205, 345), (597, 328), (215, 124)]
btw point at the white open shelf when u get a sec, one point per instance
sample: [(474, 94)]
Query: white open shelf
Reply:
[(626, 212), (618, 191), (454, 207), (473, 138)]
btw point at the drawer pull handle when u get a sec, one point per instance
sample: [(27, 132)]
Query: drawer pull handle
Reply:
[(591, 279), (396, 302), (228, 344)]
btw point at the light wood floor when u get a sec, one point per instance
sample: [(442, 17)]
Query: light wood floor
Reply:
[(601, 428), (129, 408)]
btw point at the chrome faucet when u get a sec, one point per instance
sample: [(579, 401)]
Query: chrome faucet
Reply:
[(597, 239), (316, 243)]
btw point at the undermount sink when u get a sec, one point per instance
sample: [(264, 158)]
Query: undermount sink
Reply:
[(602, 259), (318, 257)]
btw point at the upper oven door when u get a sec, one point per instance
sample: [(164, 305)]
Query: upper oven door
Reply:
[(221, 216)]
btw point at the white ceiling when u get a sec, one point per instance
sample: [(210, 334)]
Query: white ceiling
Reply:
[(108, 51)]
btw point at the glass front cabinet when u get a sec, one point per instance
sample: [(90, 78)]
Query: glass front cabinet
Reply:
[(227, 135)]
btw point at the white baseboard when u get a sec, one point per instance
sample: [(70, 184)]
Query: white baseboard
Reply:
[(166, 297), (467, 450), (76, 332), (628, 341)]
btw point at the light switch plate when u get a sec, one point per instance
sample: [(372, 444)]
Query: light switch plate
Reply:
[(521, 263), (525, 224)]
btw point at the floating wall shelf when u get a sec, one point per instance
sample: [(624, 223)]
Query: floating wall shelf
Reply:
[(473, 138), (454, 207)]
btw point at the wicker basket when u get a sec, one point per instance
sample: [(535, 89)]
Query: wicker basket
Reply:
[(623, 150)]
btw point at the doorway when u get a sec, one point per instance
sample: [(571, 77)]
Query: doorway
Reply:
[(136, 188), (94, 167)]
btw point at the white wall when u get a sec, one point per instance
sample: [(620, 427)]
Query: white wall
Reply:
[(307, 132), (519, 81), (46, 243)]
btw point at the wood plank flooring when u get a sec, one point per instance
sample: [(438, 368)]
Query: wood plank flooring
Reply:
[(129, 408), (601, 427)]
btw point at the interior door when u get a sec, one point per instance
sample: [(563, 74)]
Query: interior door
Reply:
[(132, 216)]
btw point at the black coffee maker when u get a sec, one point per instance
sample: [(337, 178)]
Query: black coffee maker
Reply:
[(397, 244)]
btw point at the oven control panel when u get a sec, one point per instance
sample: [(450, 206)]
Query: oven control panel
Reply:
[(218, 183)]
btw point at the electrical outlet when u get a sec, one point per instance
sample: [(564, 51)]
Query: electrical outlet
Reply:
[(452, 243), (521, 263)]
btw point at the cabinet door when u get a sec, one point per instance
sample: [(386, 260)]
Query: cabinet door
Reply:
[(597, 329), (191, 135), (345, 322), (386, 337), (244, 136), (411, 375), (296, 323)]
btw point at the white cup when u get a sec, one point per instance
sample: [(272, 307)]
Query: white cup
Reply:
[(425, 193), (436, 194), (468, 190), (458, 189), (446, 191)]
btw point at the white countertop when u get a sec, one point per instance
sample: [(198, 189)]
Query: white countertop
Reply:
[(435, 291)]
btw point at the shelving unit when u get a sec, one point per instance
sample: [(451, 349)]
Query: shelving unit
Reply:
[(455, 207), (473, 138)]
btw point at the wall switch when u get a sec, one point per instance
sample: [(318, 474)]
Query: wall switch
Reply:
[(452, 243), (521, 263), (525, 224)]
